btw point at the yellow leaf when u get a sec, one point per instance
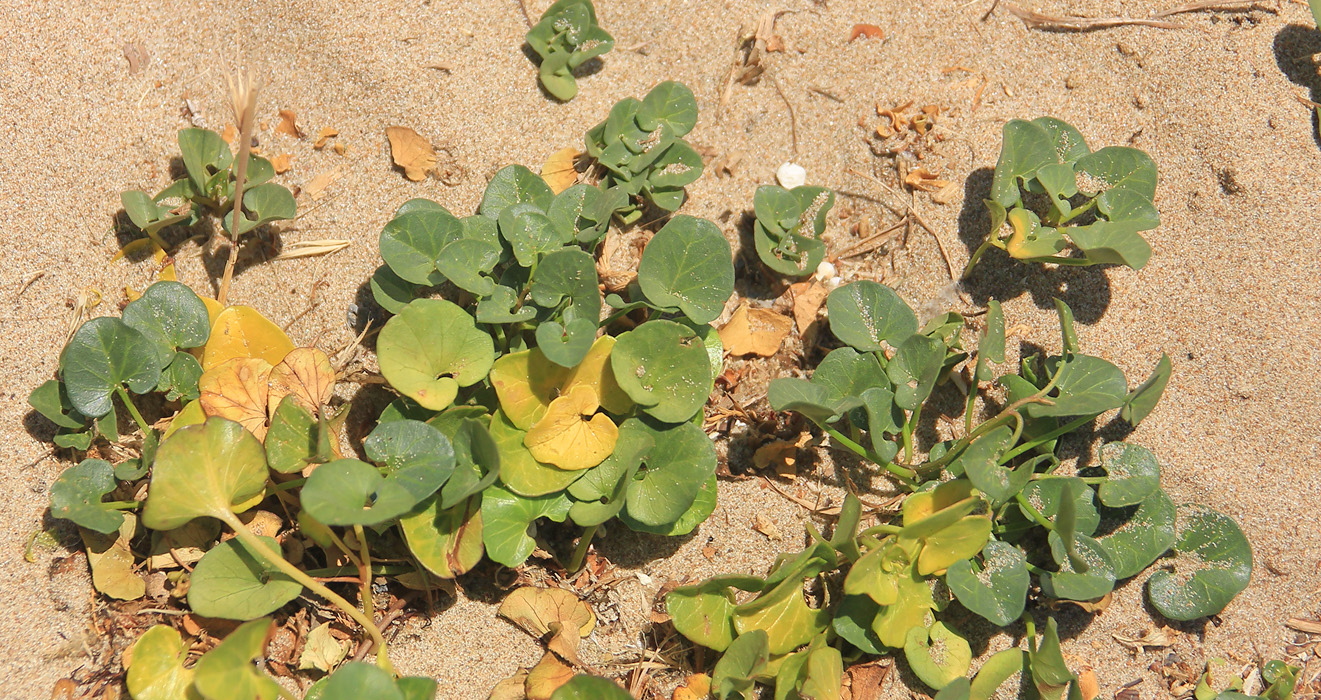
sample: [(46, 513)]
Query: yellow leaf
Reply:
[(131, 247), (526, 382), (695, 687), (572, 435), (755, 332), (546, 677), (112, 561), (307, 375), (238, 390), (558, 172), (595, 371), (322, 651), (190, 414), (213, 309), (240, 331), (551, 611), (411, 152)]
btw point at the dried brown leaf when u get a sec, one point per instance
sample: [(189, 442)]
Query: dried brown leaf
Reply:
[(315, 188), (237, 389), (324, 136), (1305, 626), (755, 332), (288, 124), (764, 525), (695, 687), (924, 180), (411, 152), (1156, 638), (306, 374), (546, 677), (868, 31), (1088, 685), (137, 55), (111, 560), (282, 163), (558, 171), (866, 680), (808, 298)]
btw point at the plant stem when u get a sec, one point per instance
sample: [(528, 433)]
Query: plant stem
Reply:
[(887, 529), (365, 571), (580, 552), (255, 544), (243, 99), (1033, 512), (344, 547), (903, 474), (133, 410), (377, 570), (843, 539), (1061, 430), (122, 505), (977, 255), (1077, 212)]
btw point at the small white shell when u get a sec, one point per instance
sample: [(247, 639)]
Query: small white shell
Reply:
[(825, 271), (791, 175)]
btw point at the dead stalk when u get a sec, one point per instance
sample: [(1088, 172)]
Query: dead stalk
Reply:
[(243, 101)]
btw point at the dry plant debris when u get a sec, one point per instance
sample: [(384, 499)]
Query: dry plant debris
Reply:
[(288, 124), (324, 136), (411, 152), (752, 331), (558, 171), (866, 31)]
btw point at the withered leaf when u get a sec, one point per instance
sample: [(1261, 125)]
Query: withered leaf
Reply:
[(755, 332), (324, 136), (411, 152), (112, 561), (288, 124), (558, 171), (305, 373), (282, 163), (546, 677), (869, 31), (238, 389)]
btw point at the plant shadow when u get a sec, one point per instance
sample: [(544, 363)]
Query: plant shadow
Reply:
[(1086, 290), (1295, 45)]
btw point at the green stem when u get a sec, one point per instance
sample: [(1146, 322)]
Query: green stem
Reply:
[(255, 544), (887, 529), (1033, 512), (977, 255), (286, 485), (1079, 262), (843, 539), (377, 570), (903, 474), (368, 605), (1077, 212), (580, 552), (133, 410), (627, 309), (122, 505), (1043, 439)]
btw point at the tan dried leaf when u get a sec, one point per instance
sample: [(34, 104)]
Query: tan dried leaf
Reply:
[(511, 688), (550, 611), (315, 188), (1304, 626), (324, 136), (924, 180), (229, 133), (322, 651), (411, 152), (558, 171), (808, 298), (112, 561), (305, 373), (137, 55), (764, 525), (1157, 638), (237, 389), (695, 687), (282, 163), (866, 680), (546, 677), (868, 31), (780, 454), (288, 124), (1088, 685), (755, 332)]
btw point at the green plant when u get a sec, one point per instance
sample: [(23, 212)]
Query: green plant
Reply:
[(641, 147), (1092, 203), (987, 515), (567, 37), (787, 231)]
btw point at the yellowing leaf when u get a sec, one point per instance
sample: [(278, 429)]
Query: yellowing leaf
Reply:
[(155, 666), (240, 331), (213, 309), (238, 390), (695, 687), (112, 561), (411, 152), (190, 414), (558, 171), (306, 374), (572, 435), (546, 677), (755, 332), (322, 651), (550, 611), (526, 382), (595, 371)]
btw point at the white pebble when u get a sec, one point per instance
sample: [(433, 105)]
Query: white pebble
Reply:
[(791, 175), (825, 271)]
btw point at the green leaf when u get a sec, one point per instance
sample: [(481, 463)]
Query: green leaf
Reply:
[(351, 492), (1048, 495), (914, 370), (1213, 564), (466, 262), (957, 689), (792, 256), (1117, 168), (515, 184), (104, 354), (852, 621), (704, 504), (1089, 386), (478, 463), (1316, 11), (179, 379), (845, 372), (1068, 335), (520, 472), (391, 291), (1112, 242), (744, 660), (568, 274), (1068, 142), (583, 211), (815, 203), (663, 367), (502, 307), (566, 345), (1072, 582), (681, 460), (204, 153), (147, 214), (599, 495), (235, 583), (688, 266), (1133, 474), (776, 208), (590, 688), (997, 590), (937, 656), (817, 403), (784, 615), (1143, 538), (704, 613), (993, 342), (1002, 666), (1046, 661), (262, 205), (980, 462), (357, 680), (432, 348), (508, 522), (226, 672), (670, 104), (448, 542), (413, 242), (157, 669), (1026, 147), (204, 470), (529, 232), (170, 315), (864, 313), (50, 400), (1140, 402), (556, 77), (293, 440), (404, 446), (77, 495)]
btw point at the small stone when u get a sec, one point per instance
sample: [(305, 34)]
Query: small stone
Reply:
[(825, 271), (791, 175), (1073, 81)]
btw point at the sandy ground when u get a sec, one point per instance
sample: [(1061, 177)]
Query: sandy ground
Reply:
[(1231, 292)]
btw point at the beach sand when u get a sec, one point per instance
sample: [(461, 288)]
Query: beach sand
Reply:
[(1231, 292)]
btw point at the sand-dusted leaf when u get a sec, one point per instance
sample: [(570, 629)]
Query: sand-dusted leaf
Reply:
[(502, 306), (204, 153), (1025, 147), (937, 655), (704, 612), (1088, 386), (679, 165), (847, 372), (1143, 537), (52, 401), (263, 204), (305, 374), (105, 354), (776, 208), (77, 495), (1117, 168), (996, 589), (671, 104), (148, 214), (448, 542), (793, 255), (744, 660), (170, 315), (241, 331), (515, 184), (508, 522), (156, 666), (1073, 581), (1047, 496), (980, 463), (600, 493), (432, 348), (235, 583), (681, 461), (204, 470), (1132, 474), (227, 672), (352, 492), (865, 313), (584, 211), (111, 560), (914, 370), (1213, 564), (572, 435), (1139, 402), (238, 390), (688, 266), (410, 447), (357, 680), (529, 232), (662, 366), (818, 403)]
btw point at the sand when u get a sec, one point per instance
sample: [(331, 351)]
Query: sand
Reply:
[(1231, 292)]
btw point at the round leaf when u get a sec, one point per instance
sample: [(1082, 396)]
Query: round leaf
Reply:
[(157, 671), (515, 184), (508, 522), (1144, 537), (864, 313), (104, 354), (170, 315), (351, 492), (235, 583), (519, 470), (688, 266), (204, 470), (937, 656), (662, 366), (1213, 564), (1132, 471), (240, 331), (448, 542), (569, 273), (412, 243), (226, 672), (672, 104), (407, 445), (77, 495), (432, 348), (998, 591)]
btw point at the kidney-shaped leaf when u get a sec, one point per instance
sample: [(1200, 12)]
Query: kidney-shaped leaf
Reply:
[(1144, 537), (77, 495), (405, 445), (411, 243), (1132, 474), (663, 367), (508, 522), (235, 583), (681, 460), (998, 591), (515, 184), (704, 613), (241, 331), (156, 671), (937, 655), (261, 205), (204, 470), (572, 435), (103, 355), (351, 492), (226, 672), (688, 266), (204, 153), (170, 315), (1213, 565), (864, 313), (432, 348)]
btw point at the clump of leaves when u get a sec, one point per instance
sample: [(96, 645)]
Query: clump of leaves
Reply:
[(788, 228), (989, 514), (570, 406), (209, 189), (640, 145), (1067, 204), (565, 38)]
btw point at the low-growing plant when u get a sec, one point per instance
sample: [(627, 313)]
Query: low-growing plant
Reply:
[(641, 147), (788, 227), (988, 515), (1067, 204), (565, 38)]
